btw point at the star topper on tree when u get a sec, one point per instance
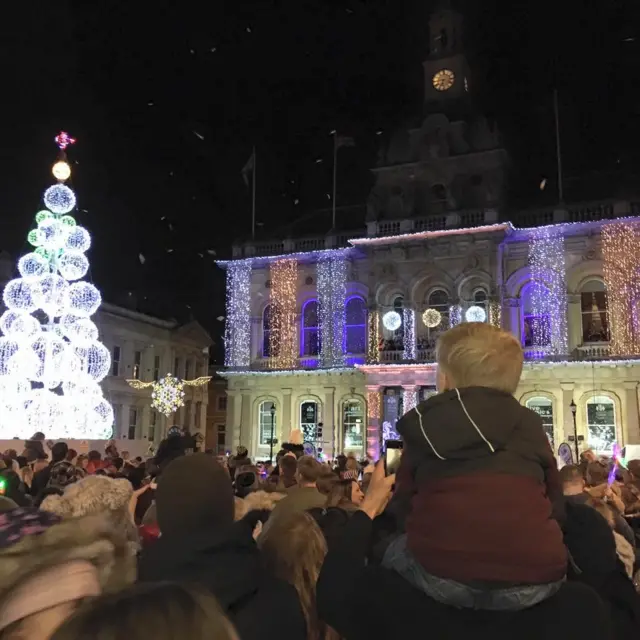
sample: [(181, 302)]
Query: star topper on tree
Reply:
[(167, 394), (51, 361)]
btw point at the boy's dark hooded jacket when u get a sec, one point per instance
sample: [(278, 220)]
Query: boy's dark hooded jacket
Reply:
[(481, 477)]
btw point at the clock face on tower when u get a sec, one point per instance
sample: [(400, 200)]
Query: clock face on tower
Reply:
[(443, 80)]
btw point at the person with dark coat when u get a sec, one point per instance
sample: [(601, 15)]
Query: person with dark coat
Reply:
[(201, 544), (476, 460), (362, 600), (42, 477)]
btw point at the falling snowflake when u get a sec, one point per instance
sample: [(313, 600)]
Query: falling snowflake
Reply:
[(141, 258)]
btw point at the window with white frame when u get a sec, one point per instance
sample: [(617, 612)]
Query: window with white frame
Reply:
[(222, 403), (544, 408), (353, 426), (439, 300), (137, 359), (153, 420), (133, 423), (355, 326), (311, 340), (115, 361), (309, 420), (536, 323), (266, 419), (601, 424), (595, 318)]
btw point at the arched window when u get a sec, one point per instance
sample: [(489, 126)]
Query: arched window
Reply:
[(355, 326), (310, 329), (266, 420), (601, 424), (309, 420), (536, 323), (266, 332), (353, 426), (481, 299), (544, 408), (439, 300), (398, 334), (595, 319)]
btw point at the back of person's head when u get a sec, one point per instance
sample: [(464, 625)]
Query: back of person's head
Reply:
[(118, 463), (308, 470), (59, 451), (341, 494), (294, 549), (262, 500), (341, 462), (572, 480), (162, 611), (72, 454), (246, 481), (288, 466), (194, 493), (325, 482), (352, 464), (94, 456), (477, 354), (597, 473), (603, 509)]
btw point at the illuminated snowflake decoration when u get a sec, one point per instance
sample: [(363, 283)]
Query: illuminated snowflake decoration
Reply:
[(167, 395), (51, 363)]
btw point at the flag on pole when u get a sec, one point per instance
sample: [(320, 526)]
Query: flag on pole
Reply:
[(249, 167), (344, 141)]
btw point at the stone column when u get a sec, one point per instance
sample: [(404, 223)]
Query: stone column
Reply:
[(374, 415), (574, 321), (409, 397), (246, 422), (631, 427), (566, 423), (203, 418), (330, 426), (283, 425), (234, 416)]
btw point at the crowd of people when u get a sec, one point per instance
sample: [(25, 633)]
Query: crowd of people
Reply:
[(478, 534)]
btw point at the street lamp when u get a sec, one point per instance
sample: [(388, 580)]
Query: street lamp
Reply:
[(574, 408), (273, 430)]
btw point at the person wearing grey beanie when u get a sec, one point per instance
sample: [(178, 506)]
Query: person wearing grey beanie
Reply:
[(200, 544)]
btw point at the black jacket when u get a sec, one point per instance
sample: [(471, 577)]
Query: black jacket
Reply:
[(229, 565), (370, 602)]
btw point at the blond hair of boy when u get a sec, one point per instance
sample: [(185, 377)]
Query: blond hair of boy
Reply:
[(476, 354)]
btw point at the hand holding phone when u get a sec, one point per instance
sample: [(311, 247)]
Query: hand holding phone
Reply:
[(392, 456)]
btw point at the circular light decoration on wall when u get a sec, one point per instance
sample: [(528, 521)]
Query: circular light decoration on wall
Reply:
[(168, 395), (431, 318), (59, 198), (392, 320), (475, 314)]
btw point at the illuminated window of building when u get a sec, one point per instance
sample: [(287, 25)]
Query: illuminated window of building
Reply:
[(544, 408), (601, 424), (265, 420), (353, 426), (536, 326), (595, 319), (355, 327), (310, 330)]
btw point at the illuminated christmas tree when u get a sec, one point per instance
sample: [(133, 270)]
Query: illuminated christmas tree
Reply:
[(51, 361)]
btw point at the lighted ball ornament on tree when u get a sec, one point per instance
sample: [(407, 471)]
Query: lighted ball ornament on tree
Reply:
[(51, 361)]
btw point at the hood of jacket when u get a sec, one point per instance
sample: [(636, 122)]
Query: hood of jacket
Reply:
[(227, 563), (471, 423)]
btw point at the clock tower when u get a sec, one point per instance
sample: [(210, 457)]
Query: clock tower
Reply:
[(446, 71)]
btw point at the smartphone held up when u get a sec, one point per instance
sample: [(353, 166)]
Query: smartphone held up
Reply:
[(392, 456)]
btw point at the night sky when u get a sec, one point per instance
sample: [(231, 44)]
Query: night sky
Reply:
[(167, 100)]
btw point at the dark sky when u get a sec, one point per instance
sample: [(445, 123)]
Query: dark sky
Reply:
[(168, 98)]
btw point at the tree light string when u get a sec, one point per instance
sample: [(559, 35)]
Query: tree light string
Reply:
[(549, 296), (621, 264), (237, 331), (283, 333), (332, 292), (410, 399), (373, 336), (373, 429), (50, 369)]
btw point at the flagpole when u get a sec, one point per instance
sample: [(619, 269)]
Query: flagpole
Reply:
[(253, 198), (335, 178), (558, 147)]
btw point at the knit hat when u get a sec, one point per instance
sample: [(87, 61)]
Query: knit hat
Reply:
[(194, 492)]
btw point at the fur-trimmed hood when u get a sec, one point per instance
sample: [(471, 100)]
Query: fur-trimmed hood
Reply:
[(92, 538)]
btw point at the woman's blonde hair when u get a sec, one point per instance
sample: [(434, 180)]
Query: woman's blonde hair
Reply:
[(162, 611), (294, 549), (340, 495)]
